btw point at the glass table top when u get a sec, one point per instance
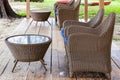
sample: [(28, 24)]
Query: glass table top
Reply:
[(40, 11), (28, 39)]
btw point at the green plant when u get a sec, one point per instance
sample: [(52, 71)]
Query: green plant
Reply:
[(21, 13), (116, 38)]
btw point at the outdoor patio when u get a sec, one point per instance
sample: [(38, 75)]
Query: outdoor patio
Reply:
[(55, 58)]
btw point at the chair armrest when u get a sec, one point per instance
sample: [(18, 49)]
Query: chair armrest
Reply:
[(82, 44), (67, 23), (80, 29)]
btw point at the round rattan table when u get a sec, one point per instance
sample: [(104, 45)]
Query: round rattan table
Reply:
[(28, 47), (40, 15)]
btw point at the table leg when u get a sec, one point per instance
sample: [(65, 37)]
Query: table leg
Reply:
[(16, 61), (36, 23), (48, 22), (43, 64)]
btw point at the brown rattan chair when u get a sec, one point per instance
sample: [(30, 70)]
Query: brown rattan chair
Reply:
[(89, 49), (68, 13), (94, 22), (70, 4)]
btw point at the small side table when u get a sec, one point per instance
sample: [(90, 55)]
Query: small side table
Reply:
[(40, 15), (28, 47)]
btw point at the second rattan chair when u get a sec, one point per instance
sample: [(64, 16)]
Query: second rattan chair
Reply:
[(56, 5), (68, 13)]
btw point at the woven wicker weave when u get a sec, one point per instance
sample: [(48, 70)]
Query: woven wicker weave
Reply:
[(94, 22), (68, 13), (40, 15), (89, 49), (28, 52), (70, 4)]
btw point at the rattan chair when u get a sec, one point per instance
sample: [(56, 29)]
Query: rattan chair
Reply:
[(69, 4), (89, 49), (94, 22), (68, 13)]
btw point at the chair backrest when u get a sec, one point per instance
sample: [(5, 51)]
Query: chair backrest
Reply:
[(71, 2), (107, 25), (105, 31), (76, 4), (97, 19), (76, 7)]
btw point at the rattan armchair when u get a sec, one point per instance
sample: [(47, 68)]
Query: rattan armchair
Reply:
[(89, 49), (68, 13), (94, 22), (69, 4)]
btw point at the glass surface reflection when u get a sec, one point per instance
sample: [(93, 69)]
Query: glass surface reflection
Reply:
[(28, 39)]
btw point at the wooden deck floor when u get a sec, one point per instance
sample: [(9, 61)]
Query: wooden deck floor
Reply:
[(55, 58)]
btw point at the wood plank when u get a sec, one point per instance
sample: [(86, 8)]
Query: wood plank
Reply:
[(22, 27), (20, 70), (115, 54), (115, 72), (4, 57), (4, 60)]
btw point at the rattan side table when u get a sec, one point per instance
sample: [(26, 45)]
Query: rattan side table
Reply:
[(28, 47), (40, 15)]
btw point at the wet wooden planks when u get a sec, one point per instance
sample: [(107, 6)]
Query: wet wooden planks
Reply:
[(56, 62)]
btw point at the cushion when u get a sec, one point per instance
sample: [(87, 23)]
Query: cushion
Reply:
[(66, 40), (62, 1), (62, 32), (56, 12)]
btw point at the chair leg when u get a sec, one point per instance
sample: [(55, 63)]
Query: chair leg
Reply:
[(29, 63), (43, 64), (55, 18), (16, 61), (71, 74), (108, 75)]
